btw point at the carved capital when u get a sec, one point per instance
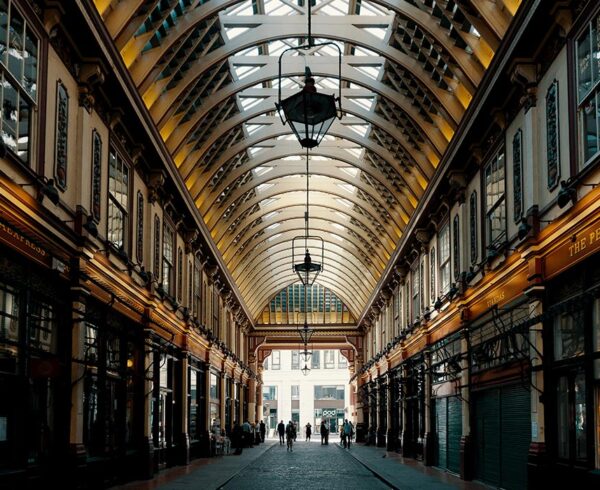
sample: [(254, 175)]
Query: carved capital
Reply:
[(423, 236), (156, 182)]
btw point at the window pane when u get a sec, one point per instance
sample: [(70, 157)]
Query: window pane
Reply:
[(30, 70), (568, 335), (580, 418), (584, 71), (15, 41), (589, 128), (562, 417), (9, 115), (3, 30)]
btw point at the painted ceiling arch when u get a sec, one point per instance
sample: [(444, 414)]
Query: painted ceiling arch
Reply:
[(207, 71)]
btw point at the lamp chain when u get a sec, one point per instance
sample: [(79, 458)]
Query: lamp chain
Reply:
[(310, 41)]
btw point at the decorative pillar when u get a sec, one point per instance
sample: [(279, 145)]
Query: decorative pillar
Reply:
[(183, 456), (252, 401), (259, 401), (77, 448), (147, 357), (407, 446), (390, 436), (381, 411), (222, 397), (428, 443), (538, 464), (467, 451)]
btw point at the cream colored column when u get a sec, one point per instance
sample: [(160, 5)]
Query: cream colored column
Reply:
[(252, 401), (222, 399), (536, 352), (77, 371), (207, 397)]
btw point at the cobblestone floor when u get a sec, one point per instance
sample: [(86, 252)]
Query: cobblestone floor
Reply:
[(309, 465)]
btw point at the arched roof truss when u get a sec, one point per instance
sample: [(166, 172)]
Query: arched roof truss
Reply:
[(207, 71)]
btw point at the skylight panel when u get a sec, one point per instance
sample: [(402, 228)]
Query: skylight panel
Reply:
[(277, 7), (337, 237), (242, 71), (249, 102), (336, 7), (252, 128), (360, 51), (292, 158), (234, 32), (366, 103), (255, 149), (348, 188), (372, 72), (265, 202), (244, 8), (271, 214), (360, 129), (344, 202), (258, 171), (368, 8), (274, 237), (378, 32), (356, 152), (264, 187), (351, 171), (273, 226), (342, 215), (338, 226), (251, 51)]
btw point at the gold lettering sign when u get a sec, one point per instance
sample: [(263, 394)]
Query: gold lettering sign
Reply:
[(16, 240), (579, 246)]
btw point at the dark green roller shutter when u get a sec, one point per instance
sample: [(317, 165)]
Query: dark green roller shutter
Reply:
[(454, 433), (502, 436), (487, 436), (448, 424), (516, 436), (441, 428)]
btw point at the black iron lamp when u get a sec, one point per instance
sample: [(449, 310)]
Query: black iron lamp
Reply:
[(309, 113), (566, 194), (49, 190)]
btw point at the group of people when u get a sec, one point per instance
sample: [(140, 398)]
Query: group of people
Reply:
[(247, 435), (290, 433)]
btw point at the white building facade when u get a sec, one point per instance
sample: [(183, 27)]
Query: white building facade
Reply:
[(288, 394)]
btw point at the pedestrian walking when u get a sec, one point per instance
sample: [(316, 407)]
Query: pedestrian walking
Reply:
[(308, 431), (347, 430), (263, 429), (236, 438), (324, 433), (247, 434), (290, 435), (281, 432)]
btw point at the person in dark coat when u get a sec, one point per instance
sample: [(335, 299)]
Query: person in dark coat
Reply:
[(308, 431), (263, 429), (236, 438), (281, 431)]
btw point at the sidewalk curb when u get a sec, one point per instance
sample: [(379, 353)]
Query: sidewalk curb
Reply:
[(242, 468), (377, 475)]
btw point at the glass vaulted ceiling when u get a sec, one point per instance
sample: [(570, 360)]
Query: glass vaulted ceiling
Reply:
[(208, 73)]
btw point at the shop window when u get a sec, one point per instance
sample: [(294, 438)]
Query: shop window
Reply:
[(444, 248), (61, 133), (276, 360), (568, 335), (179, 275), (329, 359), (193, 395), (214, 386), (9, 329), (588, 76), (118, 200), (295, 392), (168, 257), (295, 359), (571, 417), (495, 204), (342, 361), (19, 48)]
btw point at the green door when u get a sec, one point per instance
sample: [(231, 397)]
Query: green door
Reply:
[(454, 433), (448, 423), (441, 424), (502, 436)]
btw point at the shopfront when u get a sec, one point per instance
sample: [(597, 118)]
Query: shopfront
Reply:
[(34, 354), (573, 357), (500, 396)]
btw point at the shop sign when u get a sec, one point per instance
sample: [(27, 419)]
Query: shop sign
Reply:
[(579, 246), (500, 295), (16, 240)]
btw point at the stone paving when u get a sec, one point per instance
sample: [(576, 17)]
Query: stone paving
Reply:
[(310, 465)]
